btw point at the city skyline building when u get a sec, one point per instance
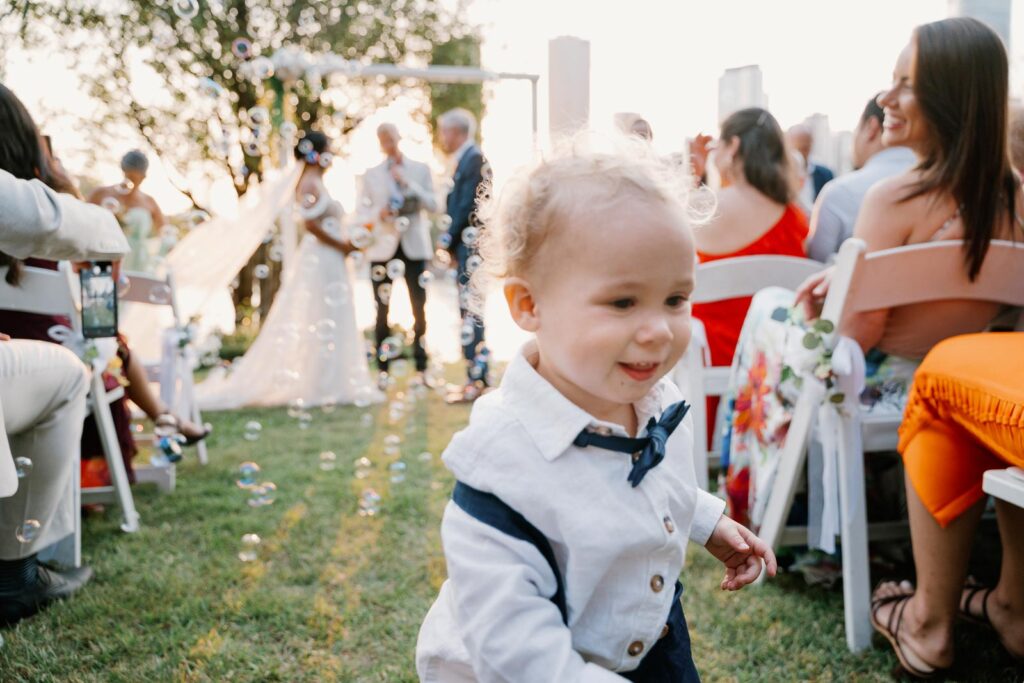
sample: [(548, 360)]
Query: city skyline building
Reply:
[(739, 88), (995, 13)]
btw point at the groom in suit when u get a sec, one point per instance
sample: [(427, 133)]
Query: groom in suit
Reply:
[(397, 192), (472, 176)]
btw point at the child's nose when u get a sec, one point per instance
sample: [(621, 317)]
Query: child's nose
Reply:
[(655, 330)]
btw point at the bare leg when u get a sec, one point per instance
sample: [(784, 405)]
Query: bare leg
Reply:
[(940, 555), (1006, 604), (142, 395)]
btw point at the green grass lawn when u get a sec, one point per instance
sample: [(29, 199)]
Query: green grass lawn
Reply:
[(335, 596)]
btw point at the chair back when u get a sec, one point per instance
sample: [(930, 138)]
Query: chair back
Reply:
[(731, 278), (145, 288), (921, 273), (43, 291)]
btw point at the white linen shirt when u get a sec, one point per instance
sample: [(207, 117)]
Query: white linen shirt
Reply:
[(619, 549)]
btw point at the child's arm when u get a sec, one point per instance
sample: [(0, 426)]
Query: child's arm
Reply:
[(509, 625), (741, 552)]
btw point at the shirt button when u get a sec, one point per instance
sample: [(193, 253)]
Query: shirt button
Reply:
[(657, 583), (670, 526), (636, 456), (635, 648), (664, 631)]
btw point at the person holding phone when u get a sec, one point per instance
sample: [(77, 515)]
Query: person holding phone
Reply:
[(24, 154), (42, 398)]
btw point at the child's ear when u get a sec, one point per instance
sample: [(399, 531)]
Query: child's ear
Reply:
[(521, 304)]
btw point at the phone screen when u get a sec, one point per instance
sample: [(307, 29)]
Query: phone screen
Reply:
[(99, 300)]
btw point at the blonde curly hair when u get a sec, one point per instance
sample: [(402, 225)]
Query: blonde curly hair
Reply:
[(574, 185)]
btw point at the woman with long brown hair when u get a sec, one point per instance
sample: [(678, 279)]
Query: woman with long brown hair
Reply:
[(949, 104)]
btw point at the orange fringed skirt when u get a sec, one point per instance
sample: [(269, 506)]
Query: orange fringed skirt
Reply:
[(965, 415)]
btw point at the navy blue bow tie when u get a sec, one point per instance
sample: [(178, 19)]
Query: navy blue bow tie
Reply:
[(648, 450)]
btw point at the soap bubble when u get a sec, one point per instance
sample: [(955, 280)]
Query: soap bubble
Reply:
[(276, 252), (378, 273), (241, 48), (305, 420), (360, 237), (312, 206), (397, 470), (362, 467), (336, 294), (124, 187), (259, 116), (288, 129), (160, 294), (395, 269), (186, 9), (328, 460), (467, 334), (328, 406), (210, 87), (247, 473), (22, 467), (392, 440), (325, 160), (261, 68), (442, 259), (111, 204), (402, 224), (473, 262), (469, 236), (330, 224), (250, 547), (263, 494), (369, 503), (366, 421), (384, 292), (324, 329), (425, 456), (445, 222), (425, 278), (295, 407), (28, 531), (261, 271), (304, 147)]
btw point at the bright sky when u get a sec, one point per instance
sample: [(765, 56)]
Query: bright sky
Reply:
[(662, 59)]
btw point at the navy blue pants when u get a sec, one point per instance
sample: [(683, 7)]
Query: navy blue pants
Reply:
[(670, 660), (469, 350)]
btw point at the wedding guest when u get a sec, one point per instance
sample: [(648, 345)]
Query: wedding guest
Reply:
[(137, 211), (42, 398), (756, 214), (565, 535), (23, 154), (835, 211), (399, 191), (802, 139), (949, 104), (470, 181)]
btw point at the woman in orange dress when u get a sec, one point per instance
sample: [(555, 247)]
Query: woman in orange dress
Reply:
[(755, 215)]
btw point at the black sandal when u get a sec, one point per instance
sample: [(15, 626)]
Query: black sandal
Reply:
[(922, 669), (972, 589)]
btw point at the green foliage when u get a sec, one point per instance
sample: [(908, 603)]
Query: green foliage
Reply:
[(183, 126), (458, 51)]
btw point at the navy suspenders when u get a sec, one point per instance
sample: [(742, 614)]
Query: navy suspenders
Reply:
[(489, 509)]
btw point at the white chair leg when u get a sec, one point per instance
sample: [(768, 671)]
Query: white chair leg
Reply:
[(188, 392), (854, 530), (112, 450)]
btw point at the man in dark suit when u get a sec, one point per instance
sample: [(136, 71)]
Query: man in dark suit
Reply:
[(803, 140), (471, 179)]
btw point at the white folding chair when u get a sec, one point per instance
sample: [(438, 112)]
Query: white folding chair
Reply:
[(1005, 484), (866, 282), (720, 280), (55, 292), (174, 373)]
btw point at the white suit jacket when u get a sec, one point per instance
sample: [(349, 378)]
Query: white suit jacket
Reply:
[(377, 189), (36, 221)]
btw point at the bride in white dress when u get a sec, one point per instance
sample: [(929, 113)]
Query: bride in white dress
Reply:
[(309, 347)]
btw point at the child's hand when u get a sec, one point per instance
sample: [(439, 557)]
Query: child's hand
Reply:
[(741, 552)]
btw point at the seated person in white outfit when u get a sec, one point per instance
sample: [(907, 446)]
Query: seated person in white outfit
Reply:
[(576, 493), (835, 211), (42, 401)]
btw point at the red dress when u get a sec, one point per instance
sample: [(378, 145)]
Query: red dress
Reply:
[(724, 319)]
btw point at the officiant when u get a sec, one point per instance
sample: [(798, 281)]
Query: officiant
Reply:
[(396, 195)]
